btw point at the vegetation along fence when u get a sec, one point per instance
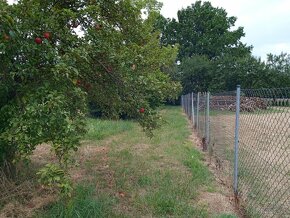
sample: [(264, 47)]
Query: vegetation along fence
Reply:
[(247, 134)]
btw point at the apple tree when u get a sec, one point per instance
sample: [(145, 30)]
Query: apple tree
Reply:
[(58, 56), (125, 59), (40, 103)]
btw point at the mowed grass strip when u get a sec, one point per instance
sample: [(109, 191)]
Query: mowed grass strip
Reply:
[(139, 176)]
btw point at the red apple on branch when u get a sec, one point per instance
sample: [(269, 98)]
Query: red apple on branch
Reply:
[(38, 40), (79, 82), (141, 110), (46, 35)]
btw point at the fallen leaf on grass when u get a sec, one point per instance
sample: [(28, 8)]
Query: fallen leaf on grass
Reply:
[(122, 194)]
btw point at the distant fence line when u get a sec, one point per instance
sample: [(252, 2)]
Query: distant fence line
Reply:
[(247, 132)]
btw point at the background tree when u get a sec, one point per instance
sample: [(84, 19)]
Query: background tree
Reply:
[(206, 34), (279, 63), (196, 74), (202, 29), (251, 72), (246, 71), (278, 67)]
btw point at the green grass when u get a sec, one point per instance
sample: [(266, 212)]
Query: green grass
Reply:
[(168, 195), (225, 216), (84, 203), (100, 129), (159, 177), (144, 181), (200, 171)]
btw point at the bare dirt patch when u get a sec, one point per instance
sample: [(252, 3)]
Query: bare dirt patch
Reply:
[(29, 196), (39, 198), (90, 159), (42, 155), (16, 209), (91, 151), (140, 148), (217, 203), (22, 196)]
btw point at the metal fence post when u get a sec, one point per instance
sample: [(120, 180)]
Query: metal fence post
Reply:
[(192, 110), (189, 106), (197, 112), (207, 119), (181, 101), (237, 140), (185, 104), (186, 107)]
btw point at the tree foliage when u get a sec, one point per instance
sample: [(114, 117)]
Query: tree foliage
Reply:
[(202, 29), (56, 56), (196, 74), (278, 68), (201, 74), (252, 73), (210, 46), (212, 56)]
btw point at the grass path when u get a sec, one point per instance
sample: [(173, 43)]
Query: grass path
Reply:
[(122, 173)]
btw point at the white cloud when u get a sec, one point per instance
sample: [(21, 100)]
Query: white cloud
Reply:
[(170, 7), (273, 48)]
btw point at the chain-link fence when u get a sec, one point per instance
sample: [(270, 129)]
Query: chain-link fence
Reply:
[(257, 124)]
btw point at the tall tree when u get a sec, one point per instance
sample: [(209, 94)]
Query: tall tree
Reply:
[(202, 29), (279, 63), (278, 67), (206, 35), (246, 71), (196, 74)]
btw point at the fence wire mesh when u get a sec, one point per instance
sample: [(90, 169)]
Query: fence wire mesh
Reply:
[(264, 144), (222, 134)]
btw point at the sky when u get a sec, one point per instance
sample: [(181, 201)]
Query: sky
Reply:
[(266, 22)]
